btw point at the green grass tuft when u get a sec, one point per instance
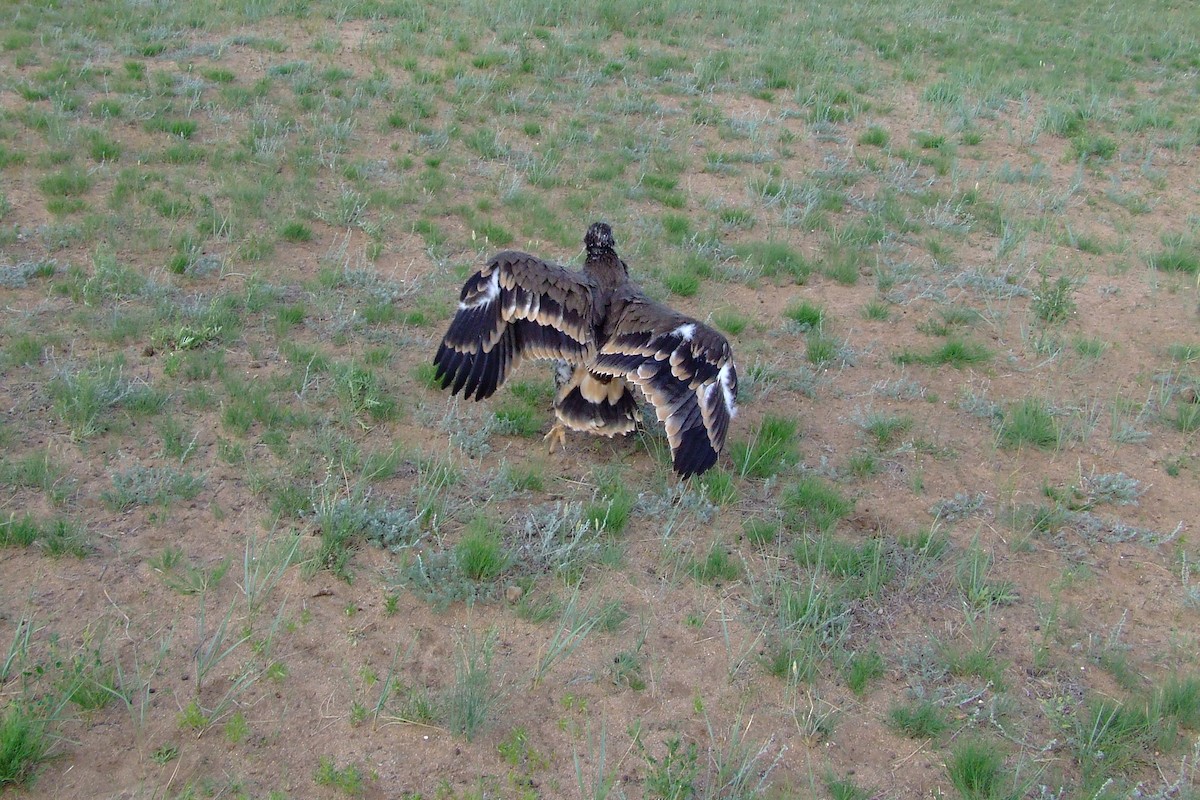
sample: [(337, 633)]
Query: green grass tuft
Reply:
[(1177, 258), (480, 553), (295, 231), (716, 566), (955, 352), (806, 315), (771, 448), (24, 745), (775, 259), (923, 719), (1030, 422), (813, 506), (875, 136), (862, 670), (976, 768)]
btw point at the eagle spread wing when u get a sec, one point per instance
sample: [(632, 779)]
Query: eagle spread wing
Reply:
[(606, 335), (684, 368), (516, 306)]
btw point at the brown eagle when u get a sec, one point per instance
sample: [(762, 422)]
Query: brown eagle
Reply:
[(605, 334)]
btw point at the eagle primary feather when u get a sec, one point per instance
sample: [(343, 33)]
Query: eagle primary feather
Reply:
[(608, 335)]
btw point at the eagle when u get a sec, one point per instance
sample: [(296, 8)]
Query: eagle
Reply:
[(606, 336)]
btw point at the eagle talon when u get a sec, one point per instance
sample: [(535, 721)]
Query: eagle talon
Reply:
[(557, 435)]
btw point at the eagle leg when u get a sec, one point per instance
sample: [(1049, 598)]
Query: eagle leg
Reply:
[(557, 435)]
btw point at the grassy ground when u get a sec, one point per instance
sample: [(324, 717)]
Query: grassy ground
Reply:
[(248, 550)]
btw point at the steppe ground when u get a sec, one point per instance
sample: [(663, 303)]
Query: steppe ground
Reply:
[(250, 550)]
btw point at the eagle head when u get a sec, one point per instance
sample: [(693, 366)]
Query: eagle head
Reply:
[(599, 238)]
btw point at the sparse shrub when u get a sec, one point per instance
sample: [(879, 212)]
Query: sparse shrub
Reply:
[(473, 700), (140, 485)]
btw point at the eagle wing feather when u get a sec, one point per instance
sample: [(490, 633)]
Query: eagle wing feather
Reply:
[(518, 306), (684, 368)]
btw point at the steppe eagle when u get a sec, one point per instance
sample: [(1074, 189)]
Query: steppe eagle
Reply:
[(605, 334)]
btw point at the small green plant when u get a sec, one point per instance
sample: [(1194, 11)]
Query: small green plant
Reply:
[(472, 701), (193, 717), (862, 464), (1085, 147), (70, 182), (806, 315), (164, 754), (1029, 422), (347, 779), (183, 128), (716, 566), (611, 510), (973, 576), (626, 668), (819, 348), (771, 448), (1114, 738), (1179, 699), (295, 231), (731, 322), (886, 429), (975, 657), (776, 259), (1179, 256), (1184, 352), (1089, 348), (876, 311), (719, 486), (56, 538), (681, 283), (922, 719), (236, 728), (673, 774), (976, 768), (24, 745), (812, 505), (862, 670), (955, 352), (874, 136), (1052, 300), (845, 789)]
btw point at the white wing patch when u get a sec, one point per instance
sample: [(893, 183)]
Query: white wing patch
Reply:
[(489, 294), (685, 331), (726, 390)]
